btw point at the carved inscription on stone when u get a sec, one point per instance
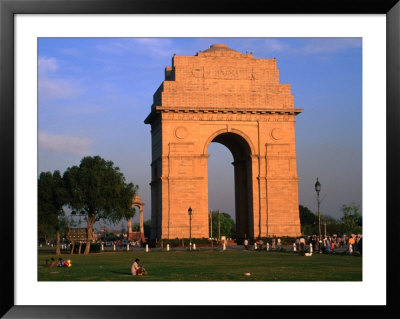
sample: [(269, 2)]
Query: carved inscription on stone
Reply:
[(278, 167), (230, 73), (183, 166), (181, 148), (278, 149)]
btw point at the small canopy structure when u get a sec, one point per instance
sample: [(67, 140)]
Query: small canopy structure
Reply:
[(137, 202)]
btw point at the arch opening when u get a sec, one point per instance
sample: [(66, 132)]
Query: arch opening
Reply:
[(242, 179), (221, 193), (135, 220)]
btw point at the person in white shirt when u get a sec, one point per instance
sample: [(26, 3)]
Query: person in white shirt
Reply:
[(246, 244), (135, 267), (302, 243)]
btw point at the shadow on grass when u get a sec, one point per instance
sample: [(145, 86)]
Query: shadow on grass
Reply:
[(52, 251), (121, 272)]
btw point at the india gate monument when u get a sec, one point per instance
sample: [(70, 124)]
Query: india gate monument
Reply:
[(223, 96)]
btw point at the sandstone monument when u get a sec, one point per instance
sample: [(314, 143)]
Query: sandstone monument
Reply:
[(223, 96), (139, 236)]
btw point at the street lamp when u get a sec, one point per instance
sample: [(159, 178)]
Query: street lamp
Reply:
[(318, 189), (190, 227)]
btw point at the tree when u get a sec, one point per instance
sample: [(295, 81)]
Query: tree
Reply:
[(333, 226), (128, 214), (227, 225), (147, 228), (352, 219), (308, 220), (52, 196), (98, 189), (136, 227)]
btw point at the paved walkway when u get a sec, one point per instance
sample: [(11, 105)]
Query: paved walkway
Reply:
[(236, 247)]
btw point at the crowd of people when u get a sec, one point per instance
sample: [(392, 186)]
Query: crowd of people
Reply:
[(329, 243), (61, 263)]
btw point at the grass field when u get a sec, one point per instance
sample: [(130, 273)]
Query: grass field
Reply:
[(207, 265)]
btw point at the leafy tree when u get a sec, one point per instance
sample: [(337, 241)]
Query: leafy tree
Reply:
[(136, 227), (227, 225), (147, 228), (352, 219), (130, 213), (110, 237), (52, 196), (98, 189), (308, 220), (333, 226)]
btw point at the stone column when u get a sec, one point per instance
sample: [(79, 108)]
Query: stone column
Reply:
[(141, 222), (129, 226)]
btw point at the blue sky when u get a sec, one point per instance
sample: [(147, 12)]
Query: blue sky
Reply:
[(94, 94)]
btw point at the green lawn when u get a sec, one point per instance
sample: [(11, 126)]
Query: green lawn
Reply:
[(207, 265)]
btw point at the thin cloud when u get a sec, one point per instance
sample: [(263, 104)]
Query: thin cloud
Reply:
[(331, 45), (47, 65), (71, 52), (49, 85), (76, 109), (90, 109), (155, 47), (301, 46), (65, 144), (267, 46), (56, 88), (275, 45)]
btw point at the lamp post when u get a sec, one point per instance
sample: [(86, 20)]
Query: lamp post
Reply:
[(219, 226), (190, 227), (211, 230), (318, 189)]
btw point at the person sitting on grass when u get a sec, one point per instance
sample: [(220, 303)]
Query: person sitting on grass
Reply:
[(136, 269), (60, 262), (51, 264)]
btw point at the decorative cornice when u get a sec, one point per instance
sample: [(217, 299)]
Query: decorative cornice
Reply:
[(227, 110), (214, 110)]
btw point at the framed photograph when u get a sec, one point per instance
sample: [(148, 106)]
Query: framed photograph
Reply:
[(38, 37)]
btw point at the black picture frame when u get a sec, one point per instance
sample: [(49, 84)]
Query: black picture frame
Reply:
[(8, 8)]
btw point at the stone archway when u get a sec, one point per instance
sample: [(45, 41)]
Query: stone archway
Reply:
[(241, 153), (221, 95), (137, 202)]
